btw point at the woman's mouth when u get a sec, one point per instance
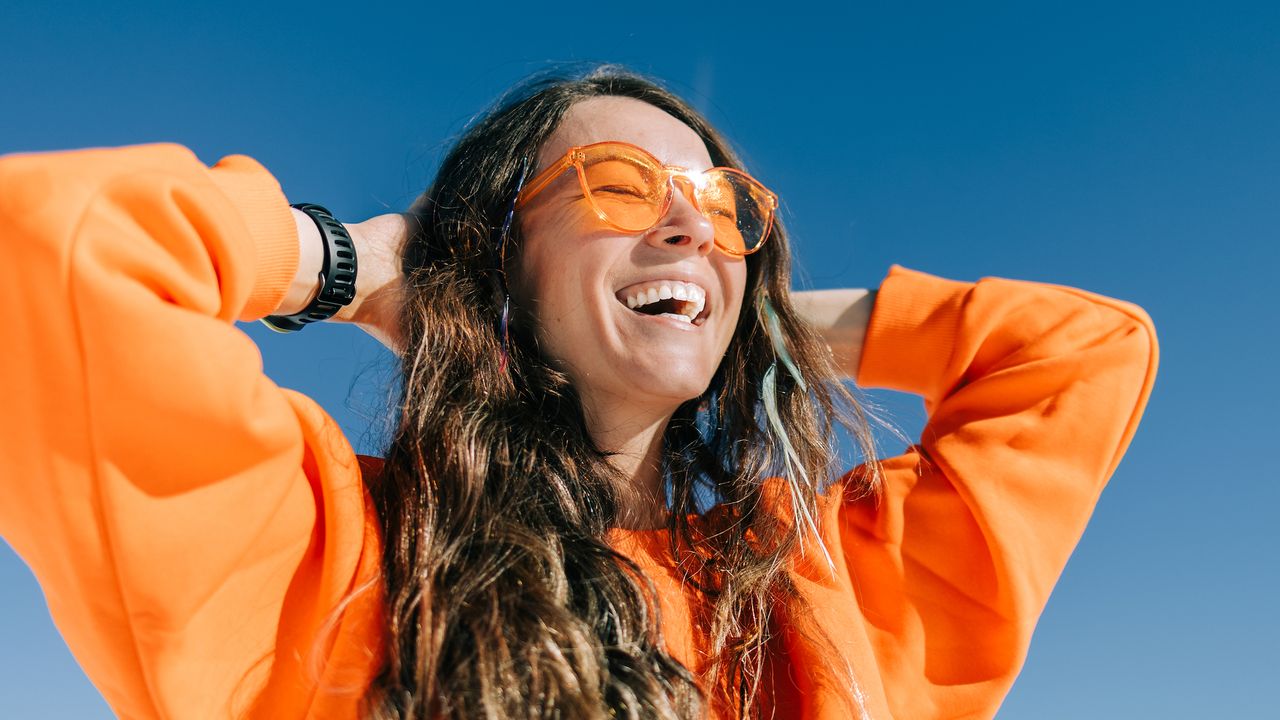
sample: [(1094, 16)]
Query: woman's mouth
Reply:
[(681, 301)]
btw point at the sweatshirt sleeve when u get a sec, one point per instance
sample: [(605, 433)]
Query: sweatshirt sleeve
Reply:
[(1033, 393), (166, 494)]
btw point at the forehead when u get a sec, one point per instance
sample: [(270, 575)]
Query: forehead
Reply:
[(629, 120)]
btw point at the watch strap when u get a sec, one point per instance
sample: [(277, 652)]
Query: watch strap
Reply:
[(337, 277)]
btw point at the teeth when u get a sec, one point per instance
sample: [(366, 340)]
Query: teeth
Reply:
[(694, 297), (678, 317)]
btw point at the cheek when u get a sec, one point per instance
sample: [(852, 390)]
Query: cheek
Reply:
[(583, 222), (735, 287), (553, 244), (557, 272), (530, 269)]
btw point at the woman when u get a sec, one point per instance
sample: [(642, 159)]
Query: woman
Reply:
[(531, 544)]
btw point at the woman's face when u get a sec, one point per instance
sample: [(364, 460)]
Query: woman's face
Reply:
[(576, 272)]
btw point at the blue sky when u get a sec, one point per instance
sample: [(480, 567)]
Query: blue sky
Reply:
[(1128, 150)]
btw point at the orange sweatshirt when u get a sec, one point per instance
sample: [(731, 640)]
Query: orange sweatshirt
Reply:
[(194, 526)]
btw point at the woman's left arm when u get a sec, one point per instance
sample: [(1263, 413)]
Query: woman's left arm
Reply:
[(1033, 393), (841, 317)]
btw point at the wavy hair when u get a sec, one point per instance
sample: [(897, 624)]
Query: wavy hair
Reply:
[(503, 597)]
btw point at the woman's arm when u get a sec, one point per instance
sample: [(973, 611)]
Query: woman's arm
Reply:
[(192, 524), (1033, 393), (841, 317)]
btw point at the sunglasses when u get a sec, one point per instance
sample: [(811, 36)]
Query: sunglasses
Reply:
[(631, 190)]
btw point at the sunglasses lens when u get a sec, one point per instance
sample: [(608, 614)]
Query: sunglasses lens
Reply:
[(629, 191), (739, 208)]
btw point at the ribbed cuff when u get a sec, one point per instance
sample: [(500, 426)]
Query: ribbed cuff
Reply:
[(262, 204), (913, 329)]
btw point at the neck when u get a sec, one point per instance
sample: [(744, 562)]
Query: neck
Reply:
[(636, 439)]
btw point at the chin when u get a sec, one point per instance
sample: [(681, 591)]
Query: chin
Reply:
[(670, 383)]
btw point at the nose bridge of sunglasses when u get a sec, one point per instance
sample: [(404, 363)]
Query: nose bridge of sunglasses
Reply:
[(689, 185)]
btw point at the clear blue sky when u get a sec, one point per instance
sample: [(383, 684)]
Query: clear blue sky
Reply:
[(1130, 149)]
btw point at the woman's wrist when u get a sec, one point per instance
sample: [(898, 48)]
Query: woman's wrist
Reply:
[(379, 285), (306, 281)]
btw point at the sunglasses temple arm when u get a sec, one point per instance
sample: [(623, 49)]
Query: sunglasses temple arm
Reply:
[(543, 179)]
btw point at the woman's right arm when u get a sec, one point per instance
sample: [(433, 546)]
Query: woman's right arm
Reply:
[(165, 492)]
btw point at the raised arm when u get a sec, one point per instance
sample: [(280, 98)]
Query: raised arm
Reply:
[(1033, 393), (183, 514)]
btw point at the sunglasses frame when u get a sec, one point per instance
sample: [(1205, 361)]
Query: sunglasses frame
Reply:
[(577, 155)]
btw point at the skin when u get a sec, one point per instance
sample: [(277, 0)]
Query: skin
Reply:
[(631, 371)]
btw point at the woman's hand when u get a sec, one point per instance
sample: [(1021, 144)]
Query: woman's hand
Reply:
[(379, 282)]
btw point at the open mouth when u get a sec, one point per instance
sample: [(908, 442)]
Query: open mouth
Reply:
[(680, 301)]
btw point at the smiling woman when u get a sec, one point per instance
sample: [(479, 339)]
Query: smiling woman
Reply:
[(631, 370), (592, 310)]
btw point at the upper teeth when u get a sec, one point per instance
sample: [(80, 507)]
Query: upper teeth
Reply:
[(695, 297)]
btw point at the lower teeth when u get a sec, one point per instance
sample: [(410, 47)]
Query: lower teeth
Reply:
[(678, 317)]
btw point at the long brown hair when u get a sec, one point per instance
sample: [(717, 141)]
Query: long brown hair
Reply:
[(503, 597)]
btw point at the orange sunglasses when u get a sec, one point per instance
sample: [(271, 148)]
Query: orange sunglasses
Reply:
[(631, 190)]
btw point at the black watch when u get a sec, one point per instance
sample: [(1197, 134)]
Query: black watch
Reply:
[(337, 274)]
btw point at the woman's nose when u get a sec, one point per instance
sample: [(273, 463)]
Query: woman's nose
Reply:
[(684, 224)]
